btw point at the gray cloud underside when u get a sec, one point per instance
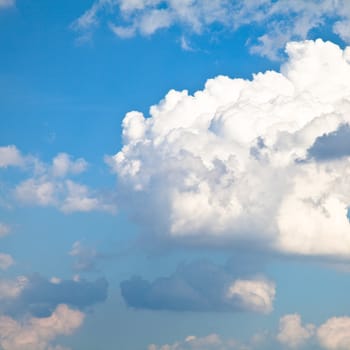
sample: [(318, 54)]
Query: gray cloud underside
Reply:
[(199, 286), (334, 145), (40, 296)]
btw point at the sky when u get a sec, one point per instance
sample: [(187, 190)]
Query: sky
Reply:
[(174, 175)]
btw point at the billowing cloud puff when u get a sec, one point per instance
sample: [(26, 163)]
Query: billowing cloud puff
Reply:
[(200, 286), (10, 155), (335, 334), (37, 333), (292, 333), (50, 186), (256, 295), (241, 160), (39, 296)]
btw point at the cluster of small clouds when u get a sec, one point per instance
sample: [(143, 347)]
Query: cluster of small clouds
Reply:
[(201, 286), (277, 22), (334, 334), (51, 184), (34, 310), (241, 161), (209, 342), (37, 333)]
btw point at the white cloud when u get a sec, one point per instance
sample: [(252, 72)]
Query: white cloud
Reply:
[(6, 261), (209, 342), (255, 295), (62, 165), (232, 163), (335, 334), (11, 289), (37, 191), (277, 22), (148, 16), (37, 333), (51, 184), (292, 333), (10, 155)]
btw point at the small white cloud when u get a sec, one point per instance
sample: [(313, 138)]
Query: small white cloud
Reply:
[(292, 333), (39, 191), (62, 165), (37, 333), (255, 295), (210, 342), (10, 155), (55, 280), (6, 261), (11, 289), (50, 184), (335, 334)]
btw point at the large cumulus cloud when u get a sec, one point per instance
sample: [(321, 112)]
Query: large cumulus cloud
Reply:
[(240, 161)]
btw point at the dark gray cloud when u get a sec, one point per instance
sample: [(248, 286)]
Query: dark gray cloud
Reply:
[(40, 296), (332, 146), (199, 286)]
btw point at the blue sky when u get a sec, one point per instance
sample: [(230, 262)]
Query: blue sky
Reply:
[(174, 175)]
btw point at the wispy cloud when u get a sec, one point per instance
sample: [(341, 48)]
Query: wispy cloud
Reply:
[(277, 22), (209, 342)]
